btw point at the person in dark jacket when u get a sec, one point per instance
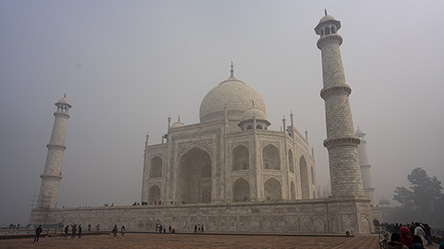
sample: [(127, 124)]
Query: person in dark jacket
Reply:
[(38, 231), (80, 231), (395, 242), (417, 242), (114, 231), (66, 231)]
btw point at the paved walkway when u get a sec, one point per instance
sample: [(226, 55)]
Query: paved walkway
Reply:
[(201, 241)]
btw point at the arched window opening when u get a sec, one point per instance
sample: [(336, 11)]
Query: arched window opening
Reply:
[(290, 161), (241, 190), (292, 191), (333, 30), (271, 157), (272, 190), (322, 32), (327, 30), (156, 167), (240, 158), (259, 127), (249, 127)]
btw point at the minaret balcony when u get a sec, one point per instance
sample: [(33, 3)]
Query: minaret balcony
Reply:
[(328, 39)]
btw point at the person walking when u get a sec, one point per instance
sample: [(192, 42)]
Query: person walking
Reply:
[(74, 230), (122, 231), (89, 227), (38, 231), (80, 230), (66, 231), (114, 231), (195, 228), (202, 228)]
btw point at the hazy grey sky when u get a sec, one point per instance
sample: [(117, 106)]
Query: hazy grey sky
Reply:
[(127, 65)]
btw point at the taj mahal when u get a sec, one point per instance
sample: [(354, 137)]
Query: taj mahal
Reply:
[(233, 174)]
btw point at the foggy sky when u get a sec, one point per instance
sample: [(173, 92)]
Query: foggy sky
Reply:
[(126, 65)]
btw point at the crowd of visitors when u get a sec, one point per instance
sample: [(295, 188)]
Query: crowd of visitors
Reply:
[(413, 236)]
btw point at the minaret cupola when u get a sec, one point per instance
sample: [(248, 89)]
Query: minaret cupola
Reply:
[(328, 25)]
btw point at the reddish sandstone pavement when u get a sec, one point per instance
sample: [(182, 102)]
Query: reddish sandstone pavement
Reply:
[(150, 240)]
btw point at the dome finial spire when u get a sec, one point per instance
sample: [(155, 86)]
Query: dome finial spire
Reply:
[(232, 70), (325, 10)]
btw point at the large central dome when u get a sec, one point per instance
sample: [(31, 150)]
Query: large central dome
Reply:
[(235, 95)]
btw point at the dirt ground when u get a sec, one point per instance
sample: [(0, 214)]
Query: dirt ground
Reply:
[(151, 240)]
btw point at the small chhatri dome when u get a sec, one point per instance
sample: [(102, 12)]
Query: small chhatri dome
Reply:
[(235, 95), (254, 112), (177, 124), (63, 101), (327, 18), (327, 21)]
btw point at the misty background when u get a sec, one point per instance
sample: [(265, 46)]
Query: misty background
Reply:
[(126, 65)]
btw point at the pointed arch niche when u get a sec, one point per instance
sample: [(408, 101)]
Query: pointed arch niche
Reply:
[(271, 159), (240, 158), (154, 194), (156, 167), (194, 177), (241, 190), (272, 190), (292, 191), (290, 161), (304, 178)]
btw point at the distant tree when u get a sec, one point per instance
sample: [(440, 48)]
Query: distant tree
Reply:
[(422, 197)]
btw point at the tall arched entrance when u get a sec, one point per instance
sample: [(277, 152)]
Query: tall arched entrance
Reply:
[(194, 177), (304, 178)]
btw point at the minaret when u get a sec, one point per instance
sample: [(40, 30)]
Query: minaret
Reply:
[(52, 173), (365, 167), (341, 142)]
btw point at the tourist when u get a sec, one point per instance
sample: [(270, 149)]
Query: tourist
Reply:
[(441, 246), (160, 228), (114, 231), (164, 228), (169, 229), (395, 242), (98, 227), (38, 231), (122, 232), (80, 230), (66, 231), (195, 228), (198, 227), (406, 239), (420, 232), (89, 227), (202, 228), (74, 230), (417, 242), (157, 226), (428, 234)]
